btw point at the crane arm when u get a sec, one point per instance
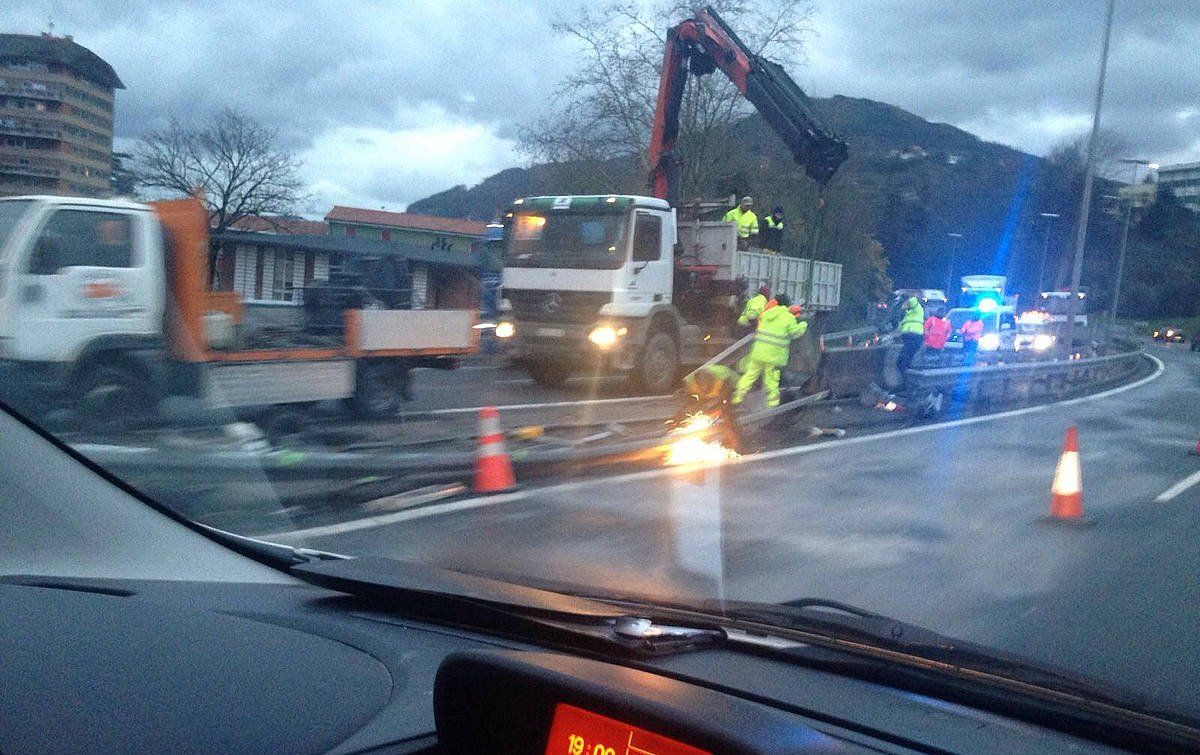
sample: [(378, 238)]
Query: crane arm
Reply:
[(699, 46)]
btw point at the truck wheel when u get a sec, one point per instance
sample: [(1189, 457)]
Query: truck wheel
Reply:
[(549, 374), (658, 368), (113, 393), (378, 390)]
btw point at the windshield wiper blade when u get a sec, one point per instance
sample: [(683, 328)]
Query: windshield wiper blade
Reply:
[(845, 622), (471, 600)]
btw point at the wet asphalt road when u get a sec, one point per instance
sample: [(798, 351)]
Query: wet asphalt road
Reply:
[(937, 525)]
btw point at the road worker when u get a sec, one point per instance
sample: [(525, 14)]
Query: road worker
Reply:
[(708, 390), (777, 328), (754, 307), (971, 331), (747, 223), (937, 332), (912, 333), (772, 233)]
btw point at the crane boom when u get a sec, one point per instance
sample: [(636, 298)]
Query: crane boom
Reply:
[(705, 43)]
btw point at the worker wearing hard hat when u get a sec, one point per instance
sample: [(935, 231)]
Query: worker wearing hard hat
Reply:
[(747, 222), (777, 328), (912, 333)]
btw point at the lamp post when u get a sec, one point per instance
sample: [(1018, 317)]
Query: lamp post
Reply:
[(950, 266), (1089, 176), (1041, 285), (1116, 296)]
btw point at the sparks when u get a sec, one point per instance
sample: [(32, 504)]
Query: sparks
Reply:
[(692, 449)]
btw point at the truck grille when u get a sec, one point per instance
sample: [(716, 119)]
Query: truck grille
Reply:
[(579, 307)]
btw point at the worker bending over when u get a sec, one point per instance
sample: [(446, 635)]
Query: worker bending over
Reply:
[(708, 390), (777, 328)]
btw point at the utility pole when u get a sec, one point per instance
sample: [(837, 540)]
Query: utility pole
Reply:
[(1041, 285), (1088, 177), (950, 266)]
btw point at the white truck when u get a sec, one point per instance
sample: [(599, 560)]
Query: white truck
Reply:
[(106, 302), (619, 284)]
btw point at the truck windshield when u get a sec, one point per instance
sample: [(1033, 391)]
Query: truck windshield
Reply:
[(575, 240), (10, 214)]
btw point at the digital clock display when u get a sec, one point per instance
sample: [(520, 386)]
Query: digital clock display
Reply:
[(576, 731)]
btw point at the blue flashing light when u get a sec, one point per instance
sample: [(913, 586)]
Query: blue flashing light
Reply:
[(987, 304)]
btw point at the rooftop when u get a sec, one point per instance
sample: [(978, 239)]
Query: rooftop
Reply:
[(65, 51), (458, 226), (279, 224), (351, 245)]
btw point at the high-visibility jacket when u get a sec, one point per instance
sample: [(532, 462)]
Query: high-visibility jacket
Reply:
[(914, 318), (747, 222), (777, 328), (971, 330), (723, 380), (754, 307), (773, 224), (937, 331)]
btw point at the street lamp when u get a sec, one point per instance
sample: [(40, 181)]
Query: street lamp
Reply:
[(1116, 296), (950, 267), (1045, 249)]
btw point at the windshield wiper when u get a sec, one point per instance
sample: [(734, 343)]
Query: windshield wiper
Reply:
[(473, 601)]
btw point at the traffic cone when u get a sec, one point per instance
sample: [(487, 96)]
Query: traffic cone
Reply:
[(1066, 492), (493, 470), (1195, 451)]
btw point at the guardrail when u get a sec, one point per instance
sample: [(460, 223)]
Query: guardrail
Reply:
[(1021, 381), (848, 338)]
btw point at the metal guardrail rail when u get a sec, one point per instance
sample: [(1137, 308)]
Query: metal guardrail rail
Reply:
[(997, 383), (847, 338)]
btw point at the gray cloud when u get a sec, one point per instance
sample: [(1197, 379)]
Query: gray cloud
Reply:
[(389, 100)]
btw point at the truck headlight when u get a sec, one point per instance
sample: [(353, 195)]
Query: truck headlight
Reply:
[(1042, 341), (604, 336), (990, 342), (505, 330)]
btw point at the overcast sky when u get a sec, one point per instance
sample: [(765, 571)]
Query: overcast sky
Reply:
[(390, 101)]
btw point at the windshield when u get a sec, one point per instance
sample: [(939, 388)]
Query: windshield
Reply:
[(442, 285), (558, 239), (10, 215)]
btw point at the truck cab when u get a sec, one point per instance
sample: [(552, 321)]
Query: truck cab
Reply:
[(78, 275), (592, 275)]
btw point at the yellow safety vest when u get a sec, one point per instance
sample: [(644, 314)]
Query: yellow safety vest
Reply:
[(777, 328), (747, 222), (754, 307), (914, 318)]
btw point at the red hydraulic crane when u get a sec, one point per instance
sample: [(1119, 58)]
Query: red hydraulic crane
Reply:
[(699, 46)]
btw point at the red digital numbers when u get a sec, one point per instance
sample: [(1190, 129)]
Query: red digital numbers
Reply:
[(576, 731)]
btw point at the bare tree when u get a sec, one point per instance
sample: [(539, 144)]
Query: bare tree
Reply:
[(236, 161), (605, 109)]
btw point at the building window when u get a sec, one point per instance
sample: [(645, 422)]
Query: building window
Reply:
[(387, 234), (350, 231)]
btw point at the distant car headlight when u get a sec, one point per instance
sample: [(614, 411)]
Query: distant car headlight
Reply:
[(505, 330), (990, 342), (604, 336), (1042, 341)]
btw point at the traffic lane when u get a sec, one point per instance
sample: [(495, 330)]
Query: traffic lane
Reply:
[(936, 527)]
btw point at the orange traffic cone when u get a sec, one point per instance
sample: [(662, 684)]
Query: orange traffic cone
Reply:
[(1066, 492), (493, 470)]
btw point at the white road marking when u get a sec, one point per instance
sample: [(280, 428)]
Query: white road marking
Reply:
[(545, 405), (1178, 488), (474, 503)]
